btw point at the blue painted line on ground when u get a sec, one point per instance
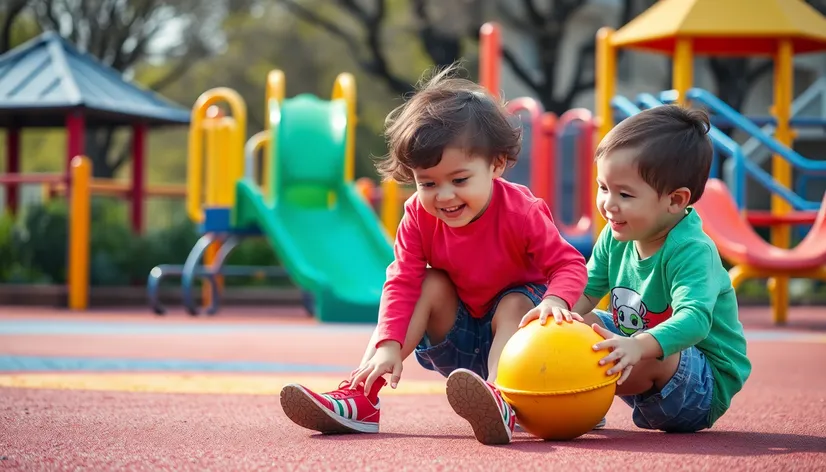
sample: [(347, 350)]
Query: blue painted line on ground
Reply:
[(94, 364), (54, 327), (103, 328)]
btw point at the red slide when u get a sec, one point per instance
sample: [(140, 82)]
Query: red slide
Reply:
[(739, 244)]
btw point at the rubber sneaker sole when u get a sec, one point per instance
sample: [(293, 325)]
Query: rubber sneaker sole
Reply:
[(306, 411), (472, 400)]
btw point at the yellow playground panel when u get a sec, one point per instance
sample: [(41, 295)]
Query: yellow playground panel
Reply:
[(684, 29)]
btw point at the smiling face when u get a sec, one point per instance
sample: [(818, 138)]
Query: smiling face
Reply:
[(458, 189), (633, 209)]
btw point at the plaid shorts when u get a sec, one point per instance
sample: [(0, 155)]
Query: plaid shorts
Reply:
[(467, 344)]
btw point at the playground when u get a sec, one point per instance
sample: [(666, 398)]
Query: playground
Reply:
[(123, 390), (191, 382)]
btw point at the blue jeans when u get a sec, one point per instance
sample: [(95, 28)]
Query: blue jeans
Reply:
[(684, 403), (467, 344)]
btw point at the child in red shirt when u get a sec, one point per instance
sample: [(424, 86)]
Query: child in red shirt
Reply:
[(473, 254)]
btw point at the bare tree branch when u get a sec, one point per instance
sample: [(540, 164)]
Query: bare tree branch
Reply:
[(119, 34), (534, 16), (581, 83), (371, 56), (13, 9), (505, 10), (311, 17), (520, 71)]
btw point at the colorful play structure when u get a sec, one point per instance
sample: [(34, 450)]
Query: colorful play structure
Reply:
[(78, 180), (47, 83), (304, 201), (773, 28), (333, 234), (557, 155)]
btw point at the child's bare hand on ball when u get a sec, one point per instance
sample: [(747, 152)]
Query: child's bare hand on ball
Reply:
[(550, 306), (625, 352), (386, 360)]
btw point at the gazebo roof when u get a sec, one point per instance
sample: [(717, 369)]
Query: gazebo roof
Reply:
[(43, 79), (725, 27)]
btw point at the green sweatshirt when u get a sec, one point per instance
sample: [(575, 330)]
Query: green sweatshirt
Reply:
[(682, 296)]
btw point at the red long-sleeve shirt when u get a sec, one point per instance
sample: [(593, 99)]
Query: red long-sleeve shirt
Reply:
[(512, 243)]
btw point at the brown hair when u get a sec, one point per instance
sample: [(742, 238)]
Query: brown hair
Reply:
[(672, 144), (447, 111)]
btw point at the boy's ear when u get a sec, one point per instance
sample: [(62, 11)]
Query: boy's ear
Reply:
[(499, 163), (678, 199)]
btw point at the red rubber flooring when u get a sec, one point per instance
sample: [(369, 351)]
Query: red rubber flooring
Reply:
[(101, 391)]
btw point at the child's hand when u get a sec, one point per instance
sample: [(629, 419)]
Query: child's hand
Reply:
[(625, 352), (550, 306), (386, 360)]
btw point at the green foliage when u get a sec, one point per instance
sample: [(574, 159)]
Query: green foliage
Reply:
[(35, 249)]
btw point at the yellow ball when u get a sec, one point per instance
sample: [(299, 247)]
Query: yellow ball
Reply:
[(551, 377)]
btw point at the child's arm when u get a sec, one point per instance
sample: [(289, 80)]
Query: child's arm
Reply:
[(561, 263), (693, 296), (403, 286), (585, 304), (400, 294), (598, 279)]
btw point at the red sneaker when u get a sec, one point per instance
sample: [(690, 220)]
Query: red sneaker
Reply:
[(481, 404), (344, 410)]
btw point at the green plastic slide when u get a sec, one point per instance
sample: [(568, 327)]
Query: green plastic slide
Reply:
[(330, 241)]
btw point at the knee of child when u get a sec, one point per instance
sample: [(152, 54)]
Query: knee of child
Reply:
[(437, 284), (513, 306), (649, 374)]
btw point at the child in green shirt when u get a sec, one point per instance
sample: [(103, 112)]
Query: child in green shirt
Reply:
[(673, 329)]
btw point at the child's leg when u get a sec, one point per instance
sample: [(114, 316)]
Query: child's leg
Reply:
[(510, 310), (347, 410), (434, 315), (673, 394), (471, 396)]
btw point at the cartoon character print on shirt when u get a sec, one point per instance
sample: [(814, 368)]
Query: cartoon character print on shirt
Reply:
[(631, 314)]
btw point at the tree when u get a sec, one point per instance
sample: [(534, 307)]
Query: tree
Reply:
[(441, 40), (547, 27), (444, 28), (123, 34), (9, 15)]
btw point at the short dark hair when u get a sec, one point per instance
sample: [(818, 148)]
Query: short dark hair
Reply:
[(672, 144), (447, 111)]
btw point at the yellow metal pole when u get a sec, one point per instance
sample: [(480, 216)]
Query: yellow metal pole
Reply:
[(683, 69), (260, 141), (606, 73), (211, 183), (212, 169), (221, 140), (227, 143), (276, 86), (781, 169), (79, 221), (345, 87), (606, 76), (390, 208)]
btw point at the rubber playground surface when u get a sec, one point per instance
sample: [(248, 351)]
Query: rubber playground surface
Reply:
[(125, 390)]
